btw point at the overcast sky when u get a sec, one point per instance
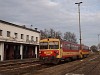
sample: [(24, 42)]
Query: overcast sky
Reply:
[(61, 15)]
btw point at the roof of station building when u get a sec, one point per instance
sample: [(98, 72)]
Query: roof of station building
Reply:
[(23, 26)]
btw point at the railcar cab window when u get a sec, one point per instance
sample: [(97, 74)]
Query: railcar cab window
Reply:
[(53, 45), (43, 45)]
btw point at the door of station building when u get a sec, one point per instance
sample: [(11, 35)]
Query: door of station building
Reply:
[(8, 51), (25, 51), (17, 52)]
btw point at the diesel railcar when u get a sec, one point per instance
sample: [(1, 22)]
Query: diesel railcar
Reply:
[(54, 50)]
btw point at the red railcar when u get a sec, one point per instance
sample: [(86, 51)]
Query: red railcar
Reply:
[(54, 50)]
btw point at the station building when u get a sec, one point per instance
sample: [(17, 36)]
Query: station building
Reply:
[(18, 42)]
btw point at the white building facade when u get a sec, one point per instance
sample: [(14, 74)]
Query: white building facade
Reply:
[(18, 42)]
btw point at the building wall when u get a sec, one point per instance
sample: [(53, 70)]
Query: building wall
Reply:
[(19, 31), (12, 41)]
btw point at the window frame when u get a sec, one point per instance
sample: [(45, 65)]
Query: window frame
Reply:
[(27, 37), (22, 36), (16, 35), (36, 39), (8, 33), (32, 38), (1, 32)]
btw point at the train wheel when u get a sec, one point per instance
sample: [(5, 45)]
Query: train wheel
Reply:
[(56, 61), (85, 56), (68, 59)]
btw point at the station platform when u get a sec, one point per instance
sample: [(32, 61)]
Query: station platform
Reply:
[(11, 62)]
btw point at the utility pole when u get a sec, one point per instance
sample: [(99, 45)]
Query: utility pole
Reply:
[(79, 25)]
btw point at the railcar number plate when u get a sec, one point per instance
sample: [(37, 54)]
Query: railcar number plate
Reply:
[(48, 53)]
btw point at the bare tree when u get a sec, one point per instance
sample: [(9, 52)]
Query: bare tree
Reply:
[(50, 33), (71, 37), (58, 35), (44, 34), (94, 48)]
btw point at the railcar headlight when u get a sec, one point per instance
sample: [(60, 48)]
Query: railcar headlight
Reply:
[(40, 52), (57, 52)]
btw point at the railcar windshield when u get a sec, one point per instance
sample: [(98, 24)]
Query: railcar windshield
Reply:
[(53, 45), (44, 45)]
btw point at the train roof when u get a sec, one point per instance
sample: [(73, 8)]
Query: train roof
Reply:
[(66, 41), (49, 39), (62, 41)]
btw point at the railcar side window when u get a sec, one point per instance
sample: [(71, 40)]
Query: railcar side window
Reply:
[(86, 48), (43, 45), (68, 46), (76, 48)]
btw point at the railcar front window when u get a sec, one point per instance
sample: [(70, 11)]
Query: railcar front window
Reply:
[(43, 45), (54, 45)]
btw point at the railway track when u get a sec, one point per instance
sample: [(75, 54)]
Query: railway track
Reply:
[(14, 67), (21, 67), (78, 67), (87, 68), (84, 68), (13, 62), (29, 68)]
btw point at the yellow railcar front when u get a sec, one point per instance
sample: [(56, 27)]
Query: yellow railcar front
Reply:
[(49, 50)]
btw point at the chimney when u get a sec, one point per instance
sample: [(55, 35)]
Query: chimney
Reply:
[(31, 26), (36, 29), (24, 26)]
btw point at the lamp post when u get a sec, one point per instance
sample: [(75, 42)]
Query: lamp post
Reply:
[(79, 24)]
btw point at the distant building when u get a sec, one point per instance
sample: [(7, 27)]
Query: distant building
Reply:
[(18, 42)]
